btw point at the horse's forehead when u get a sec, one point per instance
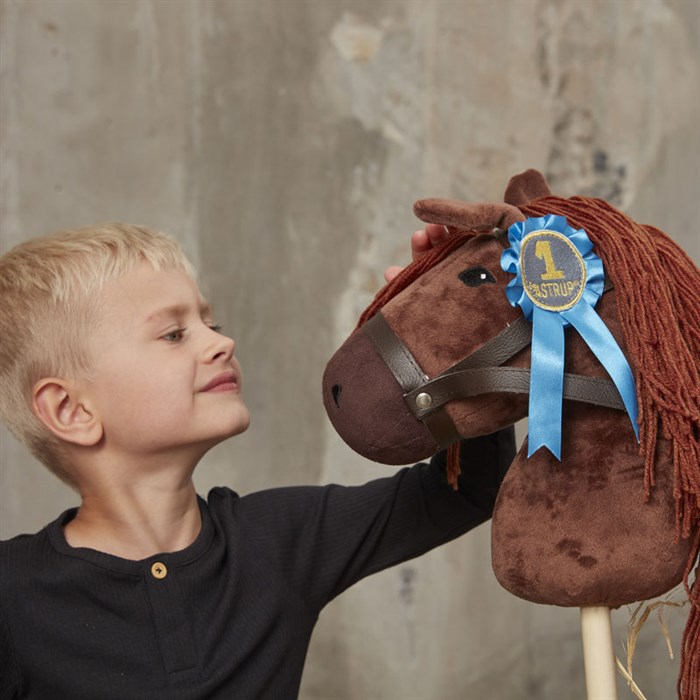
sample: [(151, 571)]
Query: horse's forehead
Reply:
[(485, 244), (483, 249)]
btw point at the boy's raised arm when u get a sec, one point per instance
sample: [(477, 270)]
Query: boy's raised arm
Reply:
[(324, 539)]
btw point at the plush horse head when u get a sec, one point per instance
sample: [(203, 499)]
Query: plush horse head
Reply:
[(441, 354)]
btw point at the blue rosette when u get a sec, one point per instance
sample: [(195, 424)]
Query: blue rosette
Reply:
[(558, 281)]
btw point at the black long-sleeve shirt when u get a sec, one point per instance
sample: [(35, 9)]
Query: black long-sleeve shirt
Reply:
[(231, 615)]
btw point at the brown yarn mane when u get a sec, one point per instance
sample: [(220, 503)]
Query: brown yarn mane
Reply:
[(658, 303)]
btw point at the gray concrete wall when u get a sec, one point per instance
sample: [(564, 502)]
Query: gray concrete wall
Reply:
[(283, 142)]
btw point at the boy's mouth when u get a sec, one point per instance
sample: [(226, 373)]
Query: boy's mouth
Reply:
[(226, 381)]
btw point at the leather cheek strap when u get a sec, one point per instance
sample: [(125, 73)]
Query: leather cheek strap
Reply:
[(397, 357)]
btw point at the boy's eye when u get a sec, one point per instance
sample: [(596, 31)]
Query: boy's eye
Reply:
[(174, 336), (216, 327)]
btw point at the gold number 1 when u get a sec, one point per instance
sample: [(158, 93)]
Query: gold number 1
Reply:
[(543, 251)]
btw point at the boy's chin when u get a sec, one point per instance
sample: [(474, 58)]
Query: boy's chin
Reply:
[(241, 425), (241, 429), (226, 433)]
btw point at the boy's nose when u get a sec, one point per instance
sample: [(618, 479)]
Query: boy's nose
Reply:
[(220, 347)]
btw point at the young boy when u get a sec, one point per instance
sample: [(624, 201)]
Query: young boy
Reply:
[(115, 375)]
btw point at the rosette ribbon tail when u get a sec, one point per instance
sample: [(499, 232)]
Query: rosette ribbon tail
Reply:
[(546, 382), (604, 346)]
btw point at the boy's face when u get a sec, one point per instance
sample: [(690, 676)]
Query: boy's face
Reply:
[(162, 378)]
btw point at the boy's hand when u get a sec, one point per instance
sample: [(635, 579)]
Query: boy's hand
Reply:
[(422, 241)]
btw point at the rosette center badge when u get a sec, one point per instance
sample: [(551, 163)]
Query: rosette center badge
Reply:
[(555, 286)]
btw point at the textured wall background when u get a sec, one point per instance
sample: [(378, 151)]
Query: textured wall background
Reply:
[(283, 142)]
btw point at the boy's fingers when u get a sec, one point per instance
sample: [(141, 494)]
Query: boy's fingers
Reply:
[(425, 239), (436, 233), (391, 272), (420, 243)]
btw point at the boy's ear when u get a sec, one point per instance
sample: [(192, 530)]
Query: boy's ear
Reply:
[(59, 406)]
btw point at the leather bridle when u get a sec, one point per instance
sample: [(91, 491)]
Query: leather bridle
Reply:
[(481, 372)]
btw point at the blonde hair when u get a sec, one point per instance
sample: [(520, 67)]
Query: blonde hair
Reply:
[(50, 294)]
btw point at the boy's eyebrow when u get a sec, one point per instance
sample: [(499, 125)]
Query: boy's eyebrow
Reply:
[(205, 309)]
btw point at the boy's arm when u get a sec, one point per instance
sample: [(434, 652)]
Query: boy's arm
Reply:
[(324, 539)]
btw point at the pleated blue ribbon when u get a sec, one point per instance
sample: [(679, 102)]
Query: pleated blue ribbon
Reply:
[(558, 281)]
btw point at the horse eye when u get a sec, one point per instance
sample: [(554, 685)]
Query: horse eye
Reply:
[(476, 276)]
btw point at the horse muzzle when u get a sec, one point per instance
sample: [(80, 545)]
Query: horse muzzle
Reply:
[(367, 408)]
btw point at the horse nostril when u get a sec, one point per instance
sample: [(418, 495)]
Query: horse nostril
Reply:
[(336, 389)]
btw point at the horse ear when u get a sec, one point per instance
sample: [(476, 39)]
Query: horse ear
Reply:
[(526, 187), (466, 217)]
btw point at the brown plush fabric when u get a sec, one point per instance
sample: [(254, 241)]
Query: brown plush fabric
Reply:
[(578, 532)]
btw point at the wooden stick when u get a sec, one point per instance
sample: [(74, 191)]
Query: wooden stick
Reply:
[(598, 655)]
